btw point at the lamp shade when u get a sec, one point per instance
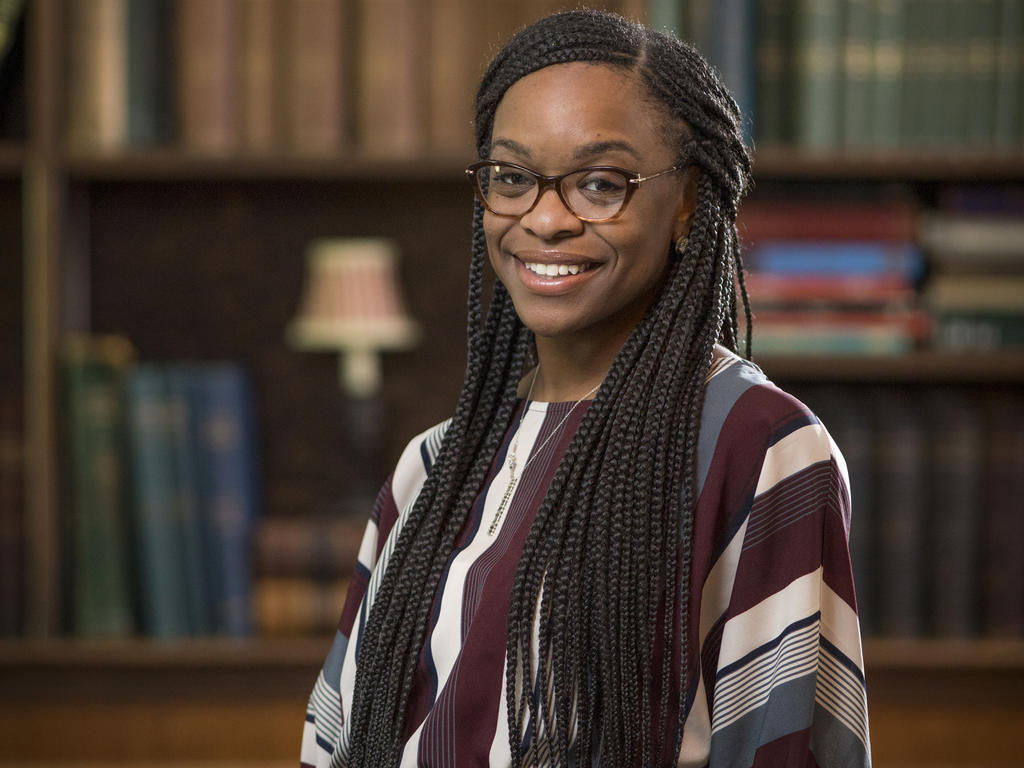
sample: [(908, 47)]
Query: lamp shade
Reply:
[(351, 304)]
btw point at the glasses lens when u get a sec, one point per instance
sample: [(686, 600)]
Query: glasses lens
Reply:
[(595, 194), (509, 191)]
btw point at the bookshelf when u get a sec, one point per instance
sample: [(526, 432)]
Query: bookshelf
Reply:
[(195, 255)]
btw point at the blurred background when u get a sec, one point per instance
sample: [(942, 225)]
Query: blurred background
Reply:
[(233, 252)]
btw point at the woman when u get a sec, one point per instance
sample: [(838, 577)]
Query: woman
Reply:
[(626, 547)]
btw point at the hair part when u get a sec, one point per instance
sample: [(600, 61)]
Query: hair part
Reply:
[(608, 554)]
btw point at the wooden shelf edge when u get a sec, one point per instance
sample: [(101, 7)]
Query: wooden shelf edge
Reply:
[(1005, 366), (144, 653), (991, 655), (952, 164)]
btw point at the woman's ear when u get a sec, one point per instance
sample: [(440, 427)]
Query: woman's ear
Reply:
[(688, 203)]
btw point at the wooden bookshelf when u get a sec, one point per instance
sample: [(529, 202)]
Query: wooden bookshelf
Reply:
[(83, 222)]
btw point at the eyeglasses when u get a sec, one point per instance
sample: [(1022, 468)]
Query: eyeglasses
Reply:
[(594, 194)]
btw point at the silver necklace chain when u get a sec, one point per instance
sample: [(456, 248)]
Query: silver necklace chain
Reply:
[(513, 457)]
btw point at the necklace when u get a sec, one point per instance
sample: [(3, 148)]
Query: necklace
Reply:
[(513, 454)]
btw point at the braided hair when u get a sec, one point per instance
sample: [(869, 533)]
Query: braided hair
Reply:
[(604, 572)]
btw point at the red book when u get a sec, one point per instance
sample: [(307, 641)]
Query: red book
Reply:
[(890, 222)]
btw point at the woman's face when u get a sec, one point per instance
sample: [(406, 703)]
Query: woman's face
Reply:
[(556, 120)]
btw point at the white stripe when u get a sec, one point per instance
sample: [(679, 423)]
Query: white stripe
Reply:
[(840, 627), (717, 590), (796, 451), (749, 687), (768, 619)]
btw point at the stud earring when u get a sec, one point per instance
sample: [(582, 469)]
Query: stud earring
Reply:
[(681, 244)]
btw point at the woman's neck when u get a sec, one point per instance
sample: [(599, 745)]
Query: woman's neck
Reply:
[(568, 370)]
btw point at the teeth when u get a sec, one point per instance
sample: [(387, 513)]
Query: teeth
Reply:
[(556, 270)]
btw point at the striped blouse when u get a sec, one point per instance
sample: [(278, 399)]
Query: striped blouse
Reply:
[(774, 630)]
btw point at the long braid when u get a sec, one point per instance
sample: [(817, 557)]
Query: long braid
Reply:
[(605, 569)]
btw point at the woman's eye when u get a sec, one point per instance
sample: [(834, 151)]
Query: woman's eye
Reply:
[(511, 178), (601, 184)]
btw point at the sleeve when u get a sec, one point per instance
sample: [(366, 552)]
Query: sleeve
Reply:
[(325, 712), (781, 669)]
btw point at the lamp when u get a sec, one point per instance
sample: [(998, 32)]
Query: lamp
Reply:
[(351, 305)]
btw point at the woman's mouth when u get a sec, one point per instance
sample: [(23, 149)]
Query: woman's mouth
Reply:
[(555, 270)]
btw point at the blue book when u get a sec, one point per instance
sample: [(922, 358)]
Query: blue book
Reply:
[(847, 257), (228, 491), (731, 49), (163, 598), (182, 392)]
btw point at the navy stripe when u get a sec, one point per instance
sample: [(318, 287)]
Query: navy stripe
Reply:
[(771, 644), (842, 658)]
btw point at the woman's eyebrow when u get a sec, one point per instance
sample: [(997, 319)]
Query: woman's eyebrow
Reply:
[(600, 147), (512, 146)]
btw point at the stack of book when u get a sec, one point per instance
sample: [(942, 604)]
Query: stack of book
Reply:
[(976, 286), (835, 278), (161, 493), (937, 474), (302, 569), (866, 74)]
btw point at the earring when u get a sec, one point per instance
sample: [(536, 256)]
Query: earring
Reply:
[(681, 244)]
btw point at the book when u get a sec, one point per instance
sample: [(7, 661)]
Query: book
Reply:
[(956, 459), (972, 242), (317, 88), (10, 13), (979, 31), (774, 67), (977, 331), (207, 75), (392, 82), (900, 476), (12, 513), (731, 49), (817, 57), (294, 605), (228, 490), (838, 333), (148, 60), (974, 292), (768, 290), (858, 74), (1008, 128), (262, 81), (97, 526), (1002, 575), (97, 76), (160, 559), (888, 73), (893, 220), (837, 258), (458, 55)]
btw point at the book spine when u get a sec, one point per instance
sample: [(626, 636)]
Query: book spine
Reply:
[(858, 74), (158, 533), (98, 87), (207, 75), (457, 58), (981, 18), (835, 258), (773, 72), (1003, 569), (954, 516), (316, 546), (182, 427), (817, 82), (228, 491), (317, 89), (1009, 118), (392, 82), (731, 50), (149, 71), (97, 529), (298, 606), (262, 84), (900, 456), (887, 90)]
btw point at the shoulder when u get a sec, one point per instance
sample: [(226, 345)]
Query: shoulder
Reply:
[(415, 463), (747, 418)]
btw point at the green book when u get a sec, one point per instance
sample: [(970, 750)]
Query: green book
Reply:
[(668, 14), (93, 370), (887, 80), (915, 61), (817, 52), (772, 124), (164, 592), (1008, 128), (858, 74), (981, 18)]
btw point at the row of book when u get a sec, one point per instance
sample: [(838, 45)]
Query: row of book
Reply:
[(161, 493), (880, 277), (866, 74), (937, 478), (394, 78)]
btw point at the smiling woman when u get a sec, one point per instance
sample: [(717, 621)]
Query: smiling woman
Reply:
[(626, 547)]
